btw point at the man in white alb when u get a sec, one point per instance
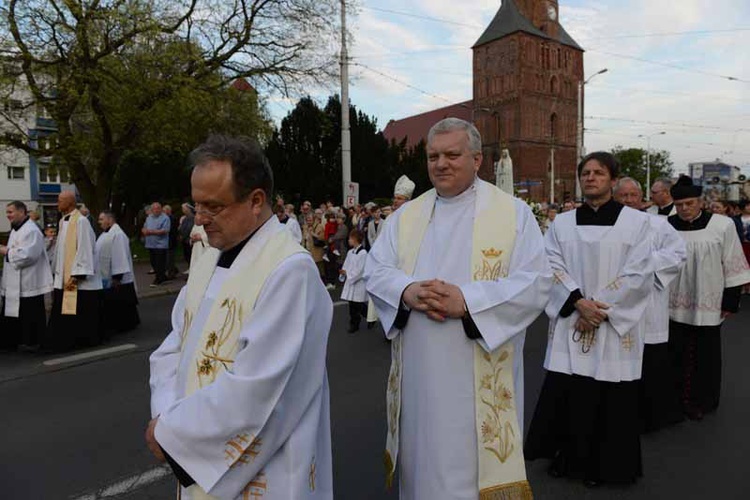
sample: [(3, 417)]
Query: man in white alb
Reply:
[(587, 419), (26, 279), (239, 392), (116, 271), (75, 319), (662, 198), (457, 276), (659, 404), (705, 293)]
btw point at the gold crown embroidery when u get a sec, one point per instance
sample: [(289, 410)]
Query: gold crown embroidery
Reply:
[(492, 253)]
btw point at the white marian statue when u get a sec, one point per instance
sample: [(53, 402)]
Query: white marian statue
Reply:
[(504, 173)]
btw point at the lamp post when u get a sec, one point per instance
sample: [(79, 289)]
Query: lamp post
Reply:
[(579, 127), (648, 161)]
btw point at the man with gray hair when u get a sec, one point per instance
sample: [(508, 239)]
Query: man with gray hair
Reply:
[(457, 275), (660, 194), (659, 404)]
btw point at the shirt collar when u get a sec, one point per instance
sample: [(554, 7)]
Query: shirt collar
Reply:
[(605, 215), (227, 257)]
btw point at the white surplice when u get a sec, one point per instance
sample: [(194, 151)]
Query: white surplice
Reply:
[(113, 251), (438, 440), (86, 262), (668, 253), (276, 387), (611, 264), (354, 265), (26, 272), (293, 226), (715, 261)]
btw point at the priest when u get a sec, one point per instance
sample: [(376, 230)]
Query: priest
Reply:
[(116, 272), (239, 392), (75, 320), (662, 198), (456, 277), (660, 406), (705, 293), (27, 278), (587, 419)]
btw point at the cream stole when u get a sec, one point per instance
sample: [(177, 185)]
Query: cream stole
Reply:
[(233, 307), (70, 294), (502, 471)]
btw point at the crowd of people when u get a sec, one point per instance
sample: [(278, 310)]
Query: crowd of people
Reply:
[(89, 277), (636, 298)]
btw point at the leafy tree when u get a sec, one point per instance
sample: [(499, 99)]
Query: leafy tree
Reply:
[(116, 75), (633, 163)]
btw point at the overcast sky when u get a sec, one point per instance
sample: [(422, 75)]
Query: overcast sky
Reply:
[(405, 64)]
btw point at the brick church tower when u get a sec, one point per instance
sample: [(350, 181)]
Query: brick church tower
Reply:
[(526, 74)]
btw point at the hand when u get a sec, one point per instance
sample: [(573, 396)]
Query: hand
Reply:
[(725, 314), (415, 297), (195, 238), (342, 272), (584, 327), (593, 311), (451, 302), (71, 284), (145, 231), (3, 250), (151, 442), (116, 283)]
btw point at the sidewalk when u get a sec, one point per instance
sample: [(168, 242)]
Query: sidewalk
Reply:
[(141, 267)]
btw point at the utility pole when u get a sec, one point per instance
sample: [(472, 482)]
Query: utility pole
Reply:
[(552, 176), (579, 126), (346, 140), (647, 187)]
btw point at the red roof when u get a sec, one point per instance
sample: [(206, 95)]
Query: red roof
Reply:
[(415, 128), (242, 85)]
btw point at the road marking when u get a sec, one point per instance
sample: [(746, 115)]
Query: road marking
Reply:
[(128, 485), (89, 355)]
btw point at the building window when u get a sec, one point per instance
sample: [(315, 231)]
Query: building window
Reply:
[(553, 126), (16, 173), (48, 174)]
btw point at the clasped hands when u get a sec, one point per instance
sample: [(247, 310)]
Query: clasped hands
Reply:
[(436, 298), (592, 314)]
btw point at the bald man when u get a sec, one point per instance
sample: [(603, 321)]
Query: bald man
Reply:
[(75, 319)]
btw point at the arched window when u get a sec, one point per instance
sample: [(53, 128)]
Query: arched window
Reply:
[(554, 85), (553, 126)]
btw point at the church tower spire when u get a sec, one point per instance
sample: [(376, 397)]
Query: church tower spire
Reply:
[(526, 73)]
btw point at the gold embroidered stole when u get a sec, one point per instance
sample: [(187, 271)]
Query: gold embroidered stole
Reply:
[(70, 296), (502, 471), (233, 307)]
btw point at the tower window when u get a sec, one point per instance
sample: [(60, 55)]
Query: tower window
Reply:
[(553, 126), (554, 85)]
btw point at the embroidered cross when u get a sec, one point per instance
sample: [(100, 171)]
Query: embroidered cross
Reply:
[(242, 449), (615, 285), (627, 342), (256, 488), (312, 475)]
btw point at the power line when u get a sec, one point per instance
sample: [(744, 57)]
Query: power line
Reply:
[(405, 84), (612, 37), (669, 33), (673, 66), (424, 18), (649, 122), (670, 93)]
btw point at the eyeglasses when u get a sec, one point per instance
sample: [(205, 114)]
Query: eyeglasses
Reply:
[(211, 212)]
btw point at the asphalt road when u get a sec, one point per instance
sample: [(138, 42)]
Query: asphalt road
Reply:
[(75, 430)]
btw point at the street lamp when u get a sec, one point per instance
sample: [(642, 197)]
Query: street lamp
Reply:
[(648, 161), (579, 127)]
